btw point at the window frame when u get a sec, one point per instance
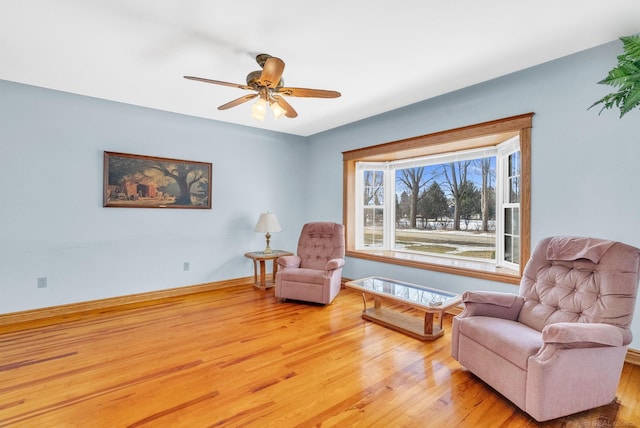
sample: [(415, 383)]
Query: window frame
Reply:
[(468, 137), (506, 203)]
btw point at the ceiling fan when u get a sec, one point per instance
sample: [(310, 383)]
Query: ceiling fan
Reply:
[(269, 87)]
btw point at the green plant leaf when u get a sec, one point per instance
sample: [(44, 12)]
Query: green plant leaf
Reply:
[(632, 100), (625, 77), (631, 45)]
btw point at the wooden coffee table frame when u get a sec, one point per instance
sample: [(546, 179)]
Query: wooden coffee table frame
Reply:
[(427, 328)]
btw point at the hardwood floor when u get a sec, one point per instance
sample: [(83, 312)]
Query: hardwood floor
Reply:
[(238, 357)]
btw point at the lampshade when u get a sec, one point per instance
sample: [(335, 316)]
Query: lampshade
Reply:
[(268, 222), (277, 109), (259, 109)]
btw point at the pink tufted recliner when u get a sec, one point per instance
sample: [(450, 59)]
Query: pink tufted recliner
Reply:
[(557, 347), (314, 274)]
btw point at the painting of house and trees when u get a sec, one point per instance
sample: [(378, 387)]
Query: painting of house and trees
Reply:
[(138, 181)]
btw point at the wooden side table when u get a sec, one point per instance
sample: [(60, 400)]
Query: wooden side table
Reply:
[(261, 257)]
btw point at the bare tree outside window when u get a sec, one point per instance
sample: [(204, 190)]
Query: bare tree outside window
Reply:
[(414, 181)]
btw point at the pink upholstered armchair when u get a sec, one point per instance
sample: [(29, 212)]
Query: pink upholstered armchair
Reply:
[(315, 273), (557, 347)]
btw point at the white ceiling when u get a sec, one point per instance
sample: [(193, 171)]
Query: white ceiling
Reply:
[(379, 54)]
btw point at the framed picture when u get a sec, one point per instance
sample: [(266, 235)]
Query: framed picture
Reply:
[(136, 181)]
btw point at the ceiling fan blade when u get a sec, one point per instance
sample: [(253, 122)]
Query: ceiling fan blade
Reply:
[(218, 82), (306, 92), (290, 112), (237, 101), (271, 72)]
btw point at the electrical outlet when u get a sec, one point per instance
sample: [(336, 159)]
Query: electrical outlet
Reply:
[(42, 282), (186, 266)]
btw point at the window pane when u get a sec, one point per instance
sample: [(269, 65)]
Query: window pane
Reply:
[(373, 227), (514, 190), (512, 235), (508, 227), (512, 221), (447, 208), (512, 249), (373, 188), (514, 178), (514, 164)]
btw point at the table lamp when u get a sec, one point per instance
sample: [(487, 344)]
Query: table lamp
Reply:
[(267, 223)]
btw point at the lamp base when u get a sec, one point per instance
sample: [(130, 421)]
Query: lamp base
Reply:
[(268, 249)]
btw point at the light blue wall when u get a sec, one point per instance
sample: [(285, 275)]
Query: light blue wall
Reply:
[(584, 166), (53, 223)]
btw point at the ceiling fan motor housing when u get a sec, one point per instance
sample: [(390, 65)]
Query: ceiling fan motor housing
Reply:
[(253, 77), (262, 58)]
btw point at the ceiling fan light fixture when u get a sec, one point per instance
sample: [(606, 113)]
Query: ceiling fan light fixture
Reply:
[(277, 110), (259, 110)]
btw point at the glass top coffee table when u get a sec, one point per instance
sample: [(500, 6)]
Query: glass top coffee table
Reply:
[(430, 300)]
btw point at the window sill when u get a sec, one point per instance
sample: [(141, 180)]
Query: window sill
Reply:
[(470, 268)]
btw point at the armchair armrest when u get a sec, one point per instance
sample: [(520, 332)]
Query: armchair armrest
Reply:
[(289, 261), (583, 335), (564, 336), (334, 264), (491, 304)]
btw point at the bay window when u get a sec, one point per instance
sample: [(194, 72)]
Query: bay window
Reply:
[(456, 201)]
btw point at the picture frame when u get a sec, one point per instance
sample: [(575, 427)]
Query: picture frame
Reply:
[(139, 181)]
